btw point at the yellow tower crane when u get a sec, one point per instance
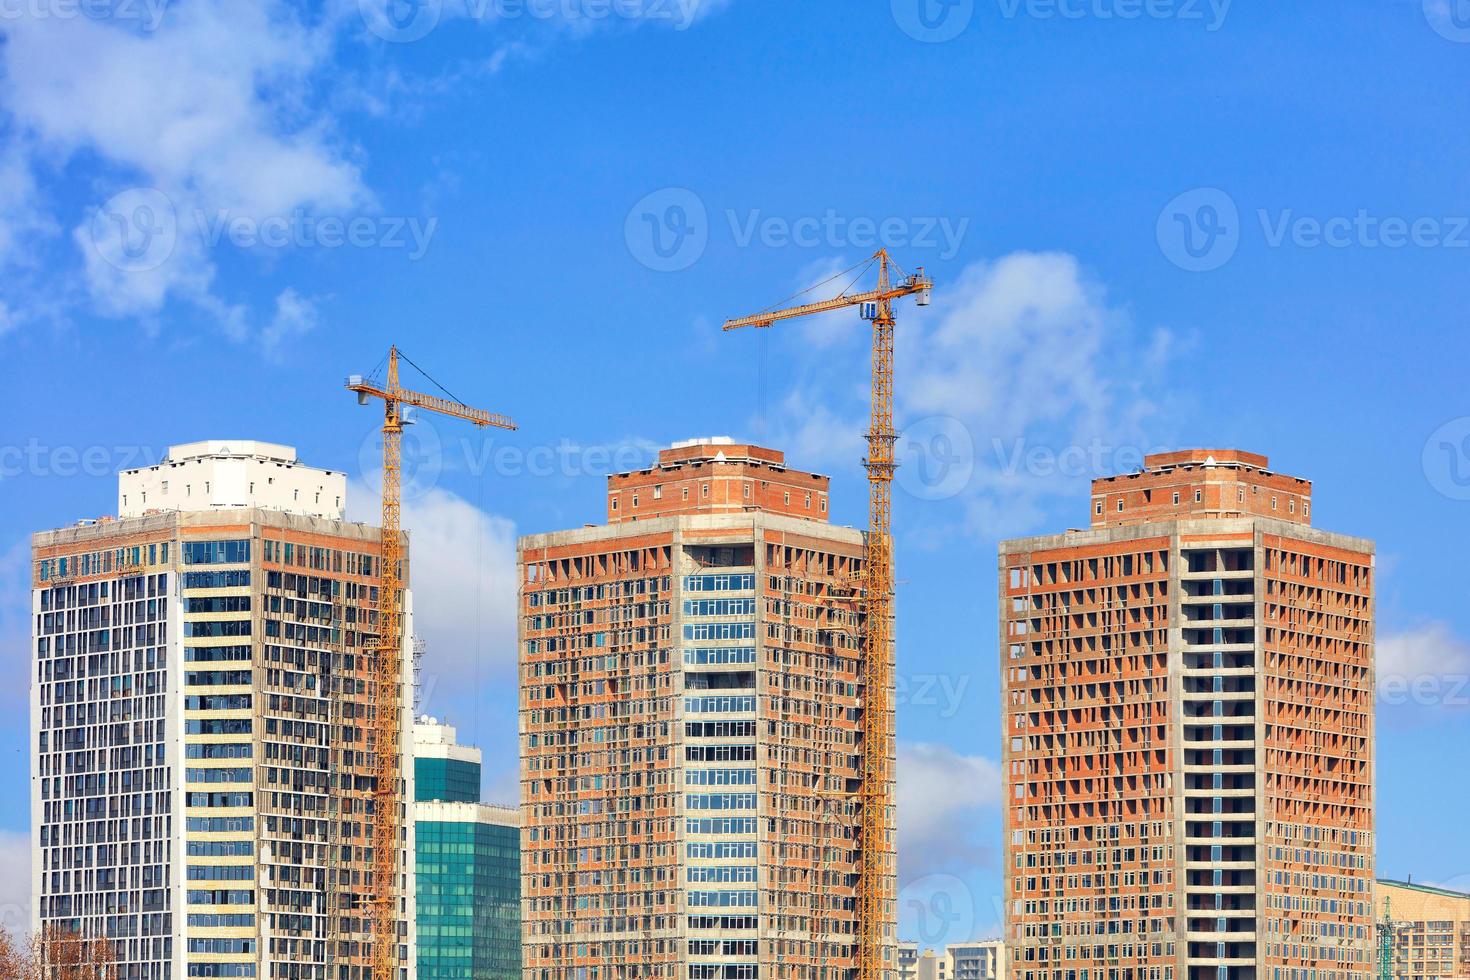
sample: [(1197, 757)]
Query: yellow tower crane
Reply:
[(386, 697), (877, 858)]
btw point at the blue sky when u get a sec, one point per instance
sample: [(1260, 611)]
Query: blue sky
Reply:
[(1151, 225)]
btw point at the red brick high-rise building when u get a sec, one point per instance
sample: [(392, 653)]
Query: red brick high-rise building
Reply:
[(691, 728), (1188, 745)]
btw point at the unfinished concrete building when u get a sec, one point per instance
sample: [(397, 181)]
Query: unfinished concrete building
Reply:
[(1188, 747), (690, 727)]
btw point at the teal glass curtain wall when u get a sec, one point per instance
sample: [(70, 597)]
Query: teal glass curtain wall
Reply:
[(469, 901)]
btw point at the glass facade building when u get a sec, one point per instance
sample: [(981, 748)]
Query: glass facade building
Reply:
[(469, 900), (467, 859), (447, 780)]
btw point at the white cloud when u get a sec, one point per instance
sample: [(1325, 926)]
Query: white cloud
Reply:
[(1042, 372), (821, 435), (205, 106), (295, 317), (209, 114), (15, 882), (941, 797), (462, 569), (1018, 340), (21, 217), (1426, 666), (194, 121), (1022, 382)]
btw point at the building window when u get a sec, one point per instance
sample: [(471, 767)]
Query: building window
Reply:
[(1120, 505), (704, 490), (614, 503), (635, 500), (1199, 496), (1097, 508), (1176, 498), (658, 491), (686, 493), (747, 491)]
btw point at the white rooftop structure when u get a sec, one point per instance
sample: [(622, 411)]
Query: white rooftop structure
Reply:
[(705, 441), (224, 474), (433, 739)]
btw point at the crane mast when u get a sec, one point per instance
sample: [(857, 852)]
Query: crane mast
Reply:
[(1387, 936), (877, 870), (385, 699)]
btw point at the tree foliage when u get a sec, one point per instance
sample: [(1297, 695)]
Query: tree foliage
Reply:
[(56, 954)]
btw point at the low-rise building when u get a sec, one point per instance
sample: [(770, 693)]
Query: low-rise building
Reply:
[(980, 960), (908, 961), (985, 960), (467, 858), (1433, 929)]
